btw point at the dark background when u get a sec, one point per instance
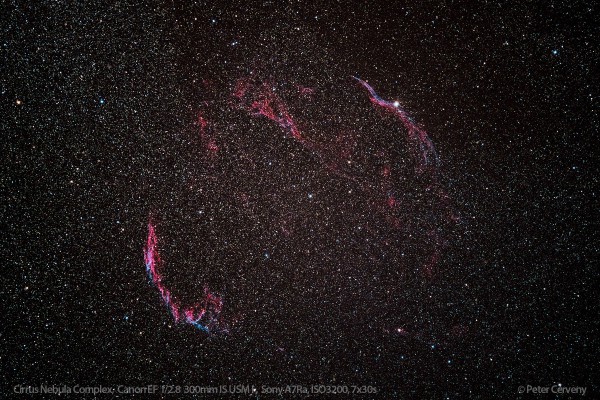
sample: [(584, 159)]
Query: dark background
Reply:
[(98, 139)]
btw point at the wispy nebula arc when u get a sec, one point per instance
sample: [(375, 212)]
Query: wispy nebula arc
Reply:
[(415, 133), (201, 315)]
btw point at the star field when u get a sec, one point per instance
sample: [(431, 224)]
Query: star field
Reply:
[(401, 195)]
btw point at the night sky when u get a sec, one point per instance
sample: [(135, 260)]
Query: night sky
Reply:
[(372, 193)]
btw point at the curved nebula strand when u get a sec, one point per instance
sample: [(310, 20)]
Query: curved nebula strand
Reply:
[(416, 134), (203, 315)]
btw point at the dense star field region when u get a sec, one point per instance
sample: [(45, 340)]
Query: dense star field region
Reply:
[(398, 198)]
